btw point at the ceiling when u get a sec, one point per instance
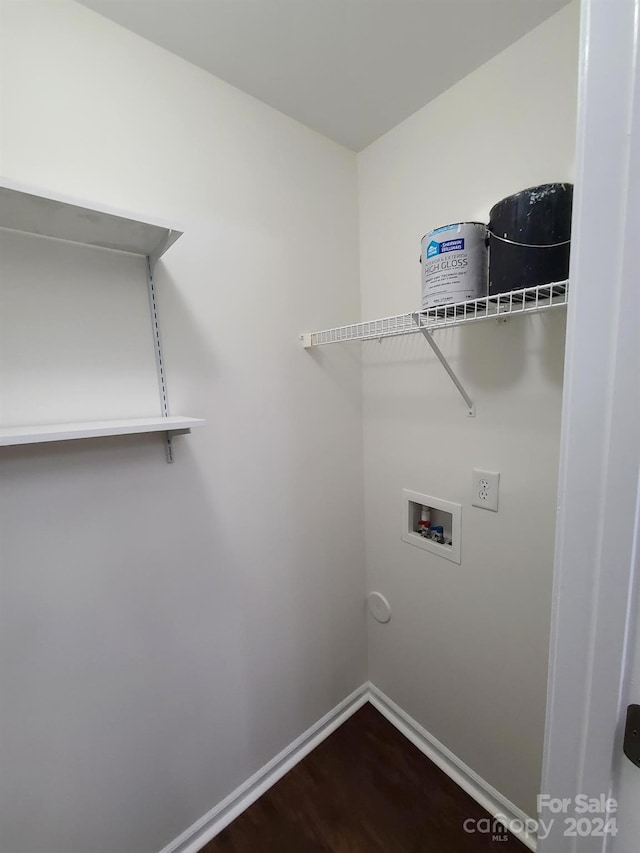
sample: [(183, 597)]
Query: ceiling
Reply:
[(350, 69)]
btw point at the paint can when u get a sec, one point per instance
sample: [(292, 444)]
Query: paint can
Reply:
[(530, 238), (454, 264)]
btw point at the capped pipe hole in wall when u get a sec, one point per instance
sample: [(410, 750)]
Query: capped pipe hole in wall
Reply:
[(432, 524)]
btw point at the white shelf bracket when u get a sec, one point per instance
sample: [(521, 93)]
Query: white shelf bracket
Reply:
[(169, 434), (154, 256), (471, 409), (162, 383)]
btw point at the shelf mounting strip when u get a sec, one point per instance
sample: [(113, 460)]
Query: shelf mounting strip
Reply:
[(157, 343)]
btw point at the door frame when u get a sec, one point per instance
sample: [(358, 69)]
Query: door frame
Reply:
[(600, 443)]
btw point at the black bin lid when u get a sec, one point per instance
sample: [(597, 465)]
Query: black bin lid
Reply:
[(538, 216)]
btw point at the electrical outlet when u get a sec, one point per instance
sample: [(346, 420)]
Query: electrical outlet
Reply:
[(485, 489)]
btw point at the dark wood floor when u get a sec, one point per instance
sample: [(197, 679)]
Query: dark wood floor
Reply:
[(365, 789)]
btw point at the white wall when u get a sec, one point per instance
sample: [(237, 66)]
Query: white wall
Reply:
[(166, 630), (465, 652), (70, 299)]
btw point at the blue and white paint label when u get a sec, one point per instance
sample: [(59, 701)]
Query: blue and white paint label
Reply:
[(434, 248), (444, 228), (452, 245)]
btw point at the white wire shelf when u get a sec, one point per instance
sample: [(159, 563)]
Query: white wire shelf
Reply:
[(528, 300)]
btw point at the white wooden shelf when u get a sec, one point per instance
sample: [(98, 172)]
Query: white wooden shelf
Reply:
[(175, 425), (23, 209)]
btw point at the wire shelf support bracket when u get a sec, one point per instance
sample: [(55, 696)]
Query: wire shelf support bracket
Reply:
[(428, 336)]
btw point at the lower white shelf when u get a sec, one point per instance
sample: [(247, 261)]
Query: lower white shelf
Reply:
[(94, 429)]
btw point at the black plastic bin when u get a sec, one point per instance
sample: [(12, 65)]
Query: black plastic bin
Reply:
[(530, 238)]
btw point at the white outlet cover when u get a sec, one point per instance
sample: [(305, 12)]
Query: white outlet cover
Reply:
[(379, 607), (484, 489)]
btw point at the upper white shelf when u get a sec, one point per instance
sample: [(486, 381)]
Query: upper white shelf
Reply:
[(23, 209), (528, 300), (10, 436)]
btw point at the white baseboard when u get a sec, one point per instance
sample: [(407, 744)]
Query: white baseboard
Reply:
[(482, 792), (203, 830)]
